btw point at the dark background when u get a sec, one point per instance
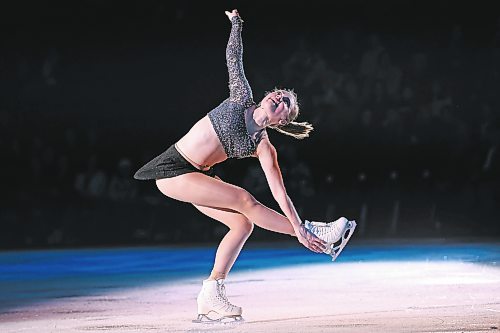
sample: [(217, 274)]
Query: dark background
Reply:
[(402, 94)]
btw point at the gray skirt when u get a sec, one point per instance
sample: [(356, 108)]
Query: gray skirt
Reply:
[(168, 164)]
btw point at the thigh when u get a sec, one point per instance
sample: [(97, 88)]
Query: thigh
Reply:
[(202, 190)]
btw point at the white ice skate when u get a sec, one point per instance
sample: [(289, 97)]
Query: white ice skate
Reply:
[(212, 298), (336, 234)]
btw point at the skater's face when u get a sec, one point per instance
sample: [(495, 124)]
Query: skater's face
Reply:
[(277, 105)]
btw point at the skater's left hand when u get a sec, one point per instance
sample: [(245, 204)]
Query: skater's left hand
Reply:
[(231, 14), (309, 240)]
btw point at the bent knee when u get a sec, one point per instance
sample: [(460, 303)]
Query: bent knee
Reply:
[(245, 226), (245, 200), (248, 227)]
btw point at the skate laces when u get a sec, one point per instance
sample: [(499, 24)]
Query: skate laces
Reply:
[(221, 294)]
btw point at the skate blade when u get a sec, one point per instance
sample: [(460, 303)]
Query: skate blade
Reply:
[(334, 251), (229, 320)]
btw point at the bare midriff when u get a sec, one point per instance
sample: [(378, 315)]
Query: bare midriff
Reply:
[(196, 165), (200, 146)]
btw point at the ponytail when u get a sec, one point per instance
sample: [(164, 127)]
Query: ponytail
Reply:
[(297, 130), (292, 128)]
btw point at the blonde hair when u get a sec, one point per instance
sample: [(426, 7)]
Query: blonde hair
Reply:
[(292, 128)]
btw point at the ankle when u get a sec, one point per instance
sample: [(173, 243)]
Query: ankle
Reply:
[(215, 275)]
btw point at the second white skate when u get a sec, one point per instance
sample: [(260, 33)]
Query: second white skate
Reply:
[(336, 234)]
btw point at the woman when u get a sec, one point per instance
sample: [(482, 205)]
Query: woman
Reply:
[(237, 129)]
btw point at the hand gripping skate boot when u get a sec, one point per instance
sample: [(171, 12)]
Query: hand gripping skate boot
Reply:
[(212, 298), (336, 234)]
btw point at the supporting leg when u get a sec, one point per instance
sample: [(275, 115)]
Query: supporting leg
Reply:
[(230, 246)]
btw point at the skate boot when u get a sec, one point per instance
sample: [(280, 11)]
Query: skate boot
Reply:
[(212, 298), (336, 234)]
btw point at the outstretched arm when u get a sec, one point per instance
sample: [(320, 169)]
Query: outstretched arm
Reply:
[(239, 88), (268, 159)]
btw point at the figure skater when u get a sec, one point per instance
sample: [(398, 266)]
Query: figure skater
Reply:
[(237, 129)]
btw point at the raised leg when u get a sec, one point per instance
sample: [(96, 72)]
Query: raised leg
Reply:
[(205, 191)]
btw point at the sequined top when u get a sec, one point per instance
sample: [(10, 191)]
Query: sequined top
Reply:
[(228, 119)]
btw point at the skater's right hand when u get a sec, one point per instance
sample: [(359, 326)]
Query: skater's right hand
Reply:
[(309, 240)]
